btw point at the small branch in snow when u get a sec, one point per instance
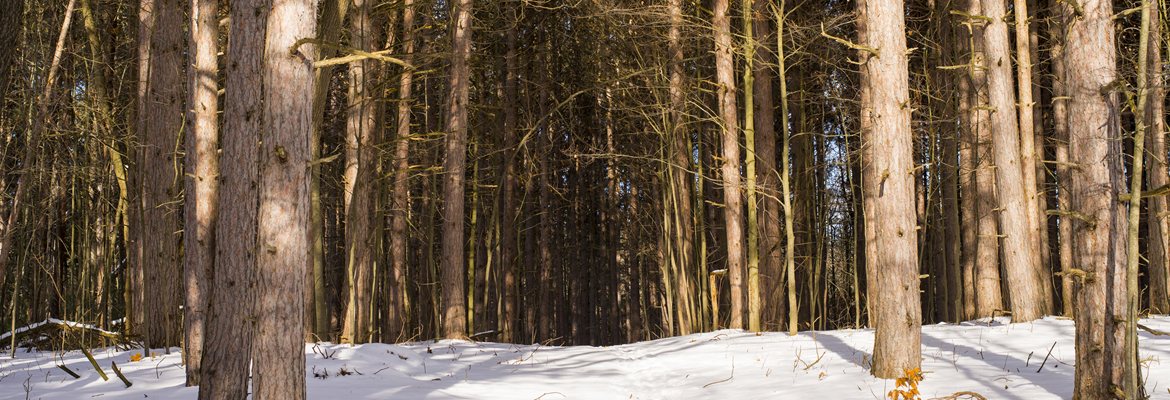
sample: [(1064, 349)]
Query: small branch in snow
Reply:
[(68, 371), (725, 380), (546, 394), (119, 373), (1046, 357), (1154, 331)]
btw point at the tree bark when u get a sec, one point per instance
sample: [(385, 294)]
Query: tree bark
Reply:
[(202, 179), (363, 132), (231, 320), (1019, 250), (1159, 225), (1095, 185), (165, 99), (771, 299), (889, 190), (508, 186), (400, 205), (455, 145), (728, 117), (11, 23), (285, 233), (1031, 156)]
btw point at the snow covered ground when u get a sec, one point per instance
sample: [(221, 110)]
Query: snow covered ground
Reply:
[(995, 360)]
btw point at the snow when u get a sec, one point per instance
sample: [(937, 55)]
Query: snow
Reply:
[(6, 335), (989, 357)]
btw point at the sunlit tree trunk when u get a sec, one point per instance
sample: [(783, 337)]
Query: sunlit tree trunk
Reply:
[(772, 302), (1098, 227), (889, 190), (202, 179), (728, 117), (1158, 222), (285, 232), (400, 212)]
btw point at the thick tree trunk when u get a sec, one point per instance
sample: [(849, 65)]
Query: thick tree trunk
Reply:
[(771, 299), (969, 225), (455, 145), (1019, 244), (728, 117), (1031, 157), (988, 297), (889, 190), (363, 132), (1095, 185), (285, 233), (227, 351), (164, 96), (202, 180)]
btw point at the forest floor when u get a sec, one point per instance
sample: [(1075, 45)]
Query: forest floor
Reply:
[(993, 359)]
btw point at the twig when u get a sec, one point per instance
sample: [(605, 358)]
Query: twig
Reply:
[(68, 371), (546, 394), (1154, 331), (725, 380), (1046, 357), (95, 364), (119, 373)]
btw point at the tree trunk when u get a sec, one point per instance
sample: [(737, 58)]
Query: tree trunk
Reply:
[(889, 190), (508, 203), (363, 132), (1095, 185), (227, 351), (728, 117), (1159, 226), (455, 144), (333, 11), (202, 180), (1031, 157), (987, 280), (165, 99), (1063, 173), (283, 215), (1019, 250), (400, 201), (772, 305)]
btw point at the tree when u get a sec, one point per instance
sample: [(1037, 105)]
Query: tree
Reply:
[(1095, 185), (1019, 251), (455, 146), (728, 118), (202, 181), (161, 265), (363, 131), (284, 232), (227, 350), (396, 317), (890, 240)]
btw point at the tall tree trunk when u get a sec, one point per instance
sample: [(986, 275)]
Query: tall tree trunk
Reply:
[(363, 132), (749, 130), (283, 215), (400, 211), (202, 179), (1063, 171), (1095, 185), (728, 117), (1031, 156), (508, 203), (989, 298), (785, 176), (680, 162), (1155, 120), (455, 145), (772, 307), (333, 11), (1019, 244), (165, 99), (889, 190), (969, 225), (227, 351)]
